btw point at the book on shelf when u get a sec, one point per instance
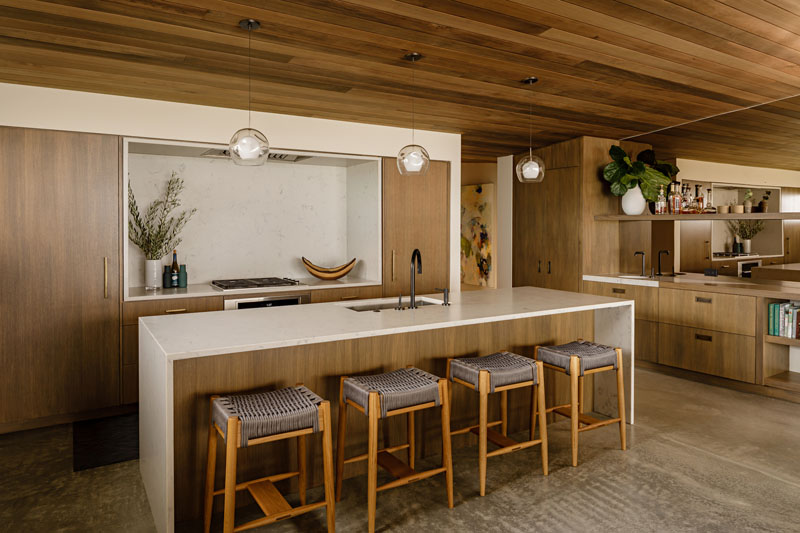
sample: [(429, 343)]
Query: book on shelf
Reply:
[(782, 319)]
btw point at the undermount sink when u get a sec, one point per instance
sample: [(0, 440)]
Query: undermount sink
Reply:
[(377, 307)]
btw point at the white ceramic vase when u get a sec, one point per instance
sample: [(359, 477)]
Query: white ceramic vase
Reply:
[(152, 273), (747, 245), (633, 202)]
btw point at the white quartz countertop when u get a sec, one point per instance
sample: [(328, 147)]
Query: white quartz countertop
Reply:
[(221, 332), (136, 294)]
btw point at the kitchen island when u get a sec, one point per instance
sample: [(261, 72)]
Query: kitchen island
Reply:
[(184, 359)]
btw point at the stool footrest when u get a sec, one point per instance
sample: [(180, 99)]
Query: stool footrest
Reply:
[(269, 498), (589, 422), (470, 428), (394, 466), (243, 485), (363, 456), (496, 438)]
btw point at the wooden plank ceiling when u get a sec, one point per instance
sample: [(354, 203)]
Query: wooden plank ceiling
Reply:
[(611, 68)]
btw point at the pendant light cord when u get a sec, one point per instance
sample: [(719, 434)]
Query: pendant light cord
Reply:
[(413, 86), (249, 74), (530, 127)]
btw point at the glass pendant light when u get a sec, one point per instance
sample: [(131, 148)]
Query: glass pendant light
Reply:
[(248, 146), (530, 169), (413, 159)]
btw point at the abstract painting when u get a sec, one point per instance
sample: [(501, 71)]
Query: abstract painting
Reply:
[(477, 234)]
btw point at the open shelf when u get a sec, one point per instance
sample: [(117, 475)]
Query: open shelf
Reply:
[(717, 216), (785, 380), (774, 339)]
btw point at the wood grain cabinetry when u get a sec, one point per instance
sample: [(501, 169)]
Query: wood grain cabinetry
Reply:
[(350, 293), (59, 255), (131, 311), (710, 352), (646, 340), (790, 203), (696, 245), (646, 298), (416, 214), (707, 310)]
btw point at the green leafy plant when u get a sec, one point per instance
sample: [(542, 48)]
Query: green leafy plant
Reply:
[(746, 229), (156, 232), (748, 194), (646, 172)]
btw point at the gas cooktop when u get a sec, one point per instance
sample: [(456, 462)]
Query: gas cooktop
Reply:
[(252, 283), (731, 254)]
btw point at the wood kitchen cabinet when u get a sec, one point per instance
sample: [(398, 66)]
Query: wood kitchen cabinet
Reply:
[(556, 238), (59, 257), (790, 203), (696, 246), (416, 214)]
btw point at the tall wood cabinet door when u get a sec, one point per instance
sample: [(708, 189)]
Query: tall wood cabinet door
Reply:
[(695, 245), (529, 267), (416, 215), (59, 258), (562, 229)]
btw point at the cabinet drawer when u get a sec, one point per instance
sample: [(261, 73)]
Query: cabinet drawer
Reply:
[(131, 311), (352, 293), (646, 341), (708, 310), (710, 352), (646, 298), (726, 268)]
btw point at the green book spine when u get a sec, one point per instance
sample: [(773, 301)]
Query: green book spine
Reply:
[(771, 320)]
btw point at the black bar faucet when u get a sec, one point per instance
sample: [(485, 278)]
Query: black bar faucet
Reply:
[(415, 255), (644, 275), (660, 253)]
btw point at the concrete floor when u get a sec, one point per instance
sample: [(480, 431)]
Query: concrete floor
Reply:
[(701, 458)]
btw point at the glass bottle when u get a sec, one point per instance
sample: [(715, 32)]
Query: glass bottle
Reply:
[(709, 204), (698, 198), (661, 202), (674, 198), (174, 270), (688, 198)]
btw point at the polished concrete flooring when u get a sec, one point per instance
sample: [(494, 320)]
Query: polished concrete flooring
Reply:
[(701, 458)]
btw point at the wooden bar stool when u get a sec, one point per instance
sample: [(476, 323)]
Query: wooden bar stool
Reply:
[(404, 391), (578, 359), (252, 419), (500, 372)]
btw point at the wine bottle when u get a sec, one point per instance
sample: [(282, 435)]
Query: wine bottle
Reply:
[(175, 269)]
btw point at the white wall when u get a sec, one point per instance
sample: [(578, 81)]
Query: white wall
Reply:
[(259, 221), (505, 220), (39, 107)]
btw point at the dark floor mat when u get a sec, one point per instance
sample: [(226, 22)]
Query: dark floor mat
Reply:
[(105, 441)]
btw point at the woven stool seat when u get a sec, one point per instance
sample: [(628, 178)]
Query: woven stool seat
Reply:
[(398, 389), (591, 355), (505, 368), (268, 413)]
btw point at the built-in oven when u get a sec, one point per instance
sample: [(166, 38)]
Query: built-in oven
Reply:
[(746, 267), (267, 301)]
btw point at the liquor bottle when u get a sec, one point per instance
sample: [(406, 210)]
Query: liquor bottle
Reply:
[(661, 202), (709, 204), (698, 198), (175, 269), (674, 199), (688, 198)]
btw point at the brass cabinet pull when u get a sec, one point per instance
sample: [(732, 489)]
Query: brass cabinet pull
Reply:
[(787, 245), (105, 277), (700, 337), (725, 266), (548, 267), (708, 249), (174, 311), (618, 291), (353, 297), (540, 266), (393, 276)]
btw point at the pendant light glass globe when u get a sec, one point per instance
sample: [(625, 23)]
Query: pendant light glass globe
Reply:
[(249, 147), (530, 169), (413, 160)]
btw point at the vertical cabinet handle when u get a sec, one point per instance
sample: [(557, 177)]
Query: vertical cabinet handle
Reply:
[(540, 266), (548, 267), (787, 245), (105, 277), (393, 276), (708, 249)]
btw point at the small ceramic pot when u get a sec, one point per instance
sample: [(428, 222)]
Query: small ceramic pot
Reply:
[(764, 205), (747, 246), (737, 209), (748, 206), (723, 209)]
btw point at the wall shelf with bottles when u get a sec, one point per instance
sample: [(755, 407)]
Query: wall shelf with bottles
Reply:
[(701, 216)]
